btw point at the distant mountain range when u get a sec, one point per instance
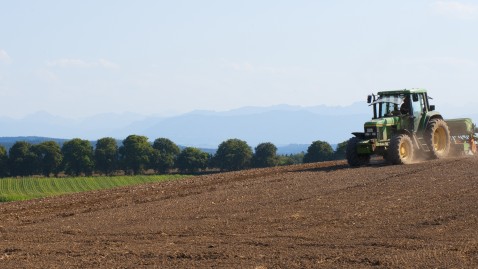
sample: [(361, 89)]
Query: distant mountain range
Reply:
[(290, 128), (8, 142)]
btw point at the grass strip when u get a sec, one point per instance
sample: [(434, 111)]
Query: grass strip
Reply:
[(26, 188)]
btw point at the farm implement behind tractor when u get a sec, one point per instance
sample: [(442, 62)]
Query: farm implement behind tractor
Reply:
[(463, 136), (405, 126)]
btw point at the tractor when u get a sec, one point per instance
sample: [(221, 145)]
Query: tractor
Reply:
[(405, 126)]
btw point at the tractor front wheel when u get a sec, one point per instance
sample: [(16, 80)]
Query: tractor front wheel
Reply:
[(353, 158), (400, 150)]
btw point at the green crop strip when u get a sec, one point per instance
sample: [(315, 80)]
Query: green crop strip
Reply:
[(15, 189)]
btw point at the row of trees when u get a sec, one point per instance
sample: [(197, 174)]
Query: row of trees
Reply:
[(137, 154)]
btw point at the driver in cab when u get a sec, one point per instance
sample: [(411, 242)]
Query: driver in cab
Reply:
[(405, 106)]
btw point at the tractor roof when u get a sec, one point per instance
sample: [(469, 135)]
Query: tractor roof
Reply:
[(404, 91)]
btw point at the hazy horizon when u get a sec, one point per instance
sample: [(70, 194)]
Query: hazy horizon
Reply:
[(281, 125)]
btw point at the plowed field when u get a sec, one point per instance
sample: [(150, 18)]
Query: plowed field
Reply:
[(323, 215)]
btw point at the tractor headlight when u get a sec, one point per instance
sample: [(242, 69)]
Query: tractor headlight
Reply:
[(371, 132)]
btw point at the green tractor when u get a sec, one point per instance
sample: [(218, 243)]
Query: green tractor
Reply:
[(405, 126)]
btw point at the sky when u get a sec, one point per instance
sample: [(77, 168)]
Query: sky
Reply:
[(153, 57)]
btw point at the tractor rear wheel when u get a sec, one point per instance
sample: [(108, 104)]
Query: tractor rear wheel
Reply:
[(353, 158), (400, 150), (437, 137)]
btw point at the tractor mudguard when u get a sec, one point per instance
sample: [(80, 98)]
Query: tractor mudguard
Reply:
[(359, 135), (432, 115)]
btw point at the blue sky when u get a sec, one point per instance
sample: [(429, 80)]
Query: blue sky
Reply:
[(81, 58)]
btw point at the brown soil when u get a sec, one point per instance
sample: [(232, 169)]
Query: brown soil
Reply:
[(307, 216)]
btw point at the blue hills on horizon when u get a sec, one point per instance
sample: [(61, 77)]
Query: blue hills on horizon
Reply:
[(291, 128), (281, 125)]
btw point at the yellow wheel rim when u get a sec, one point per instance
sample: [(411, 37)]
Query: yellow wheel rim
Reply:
[(404, 151), (439, 139)]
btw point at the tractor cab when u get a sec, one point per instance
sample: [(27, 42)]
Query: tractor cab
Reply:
[(389, 105), (409, 107)]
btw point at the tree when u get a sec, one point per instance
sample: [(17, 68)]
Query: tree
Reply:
[(106, 155), (22, 160), (49, 157), (265, 155), (3, 162), (191, 160), (165, 154), (233, 154), (78, 157), (339, 153), (318, 151), (135, 153), (290, 159)]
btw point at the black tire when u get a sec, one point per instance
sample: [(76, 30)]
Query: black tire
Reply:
[(353, 158), (401, 150), (437, 137)]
